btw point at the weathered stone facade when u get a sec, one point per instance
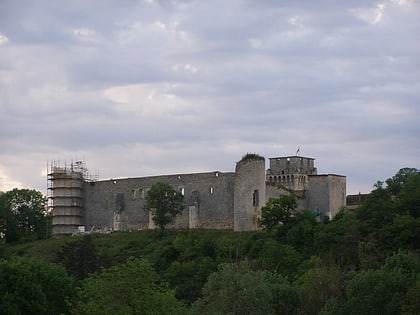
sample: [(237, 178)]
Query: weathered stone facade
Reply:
[(213, 200)]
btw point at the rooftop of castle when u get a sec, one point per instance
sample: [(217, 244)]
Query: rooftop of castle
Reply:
[(291, 157)]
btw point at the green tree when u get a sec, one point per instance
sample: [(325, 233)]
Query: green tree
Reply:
[(371, 292), (80, 257), (411, 304), (317, 285), (164, 203), (278, 211), (387, 290), (32, 287), (402, 233), (235, 289), (396, 183), (377, 210), (273, 256), (302, 232), (23, 215), (131, 288), (338, 241), (409, 198), (188, 277)]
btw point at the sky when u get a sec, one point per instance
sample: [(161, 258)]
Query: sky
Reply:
[(140, 88)]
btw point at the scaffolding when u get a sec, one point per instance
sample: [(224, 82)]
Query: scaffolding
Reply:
[(65, 195)]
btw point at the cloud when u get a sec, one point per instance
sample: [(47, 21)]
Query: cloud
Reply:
[(3, 39), (157, 101), (370, 15), (149, 87)]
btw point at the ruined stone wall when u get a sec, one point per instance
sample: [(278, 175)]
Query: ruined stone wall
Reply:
[(249, 193), (119, 203)]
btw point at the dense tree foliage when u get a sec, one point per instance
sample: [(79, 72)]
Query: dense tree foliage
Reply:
[(23, 215), (235, 289), (278, 211), (318, 284), (80, 257), (131, 288), (32, 287), (378, 291), (164, 203)]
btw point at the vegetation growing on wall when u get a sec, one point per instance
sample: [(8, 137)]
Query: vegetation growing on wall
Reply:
[(251, 156)]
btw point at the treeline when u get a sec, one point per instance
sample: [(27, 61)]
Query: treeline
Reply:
[(364, 261)]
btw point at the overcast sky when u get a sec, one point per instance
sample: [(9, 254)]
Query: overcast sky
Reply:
[(138, 88)]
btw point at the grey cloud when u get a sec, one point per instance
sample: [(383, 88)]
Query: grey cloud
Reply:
[(229, 77)]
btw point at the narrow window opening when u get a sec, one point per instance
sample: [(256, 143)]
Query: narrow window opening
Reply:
[(211, 190), (182, 191), (255, 198)]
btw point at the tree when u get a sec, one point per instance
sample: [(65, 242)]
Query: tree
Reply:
[(378, 209), (409, 198), (278, 211), (371, 292), (269, 254), (164, 203), (33, 287), (131, 288), (188, 277), (317, 285), (302, 232), (23, 215), (338, 241), (79, 257), (396, 183), (235, 289), (387, 290)]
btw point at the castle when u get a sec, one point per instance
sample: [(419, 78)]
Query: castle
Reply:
[(213, 200)]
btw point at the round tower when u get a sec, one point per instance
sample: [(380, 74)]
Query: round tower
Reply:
[(249, 194), (65, 186)]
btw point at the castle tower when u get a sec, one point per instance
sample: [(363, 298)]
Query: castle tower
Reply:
[(291, 172), (326, 194), (249, 192), (65, 186)]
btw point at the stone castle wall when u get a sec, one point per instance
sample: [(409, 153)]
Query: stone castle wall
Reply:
[(119, 203), (213, 200)]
